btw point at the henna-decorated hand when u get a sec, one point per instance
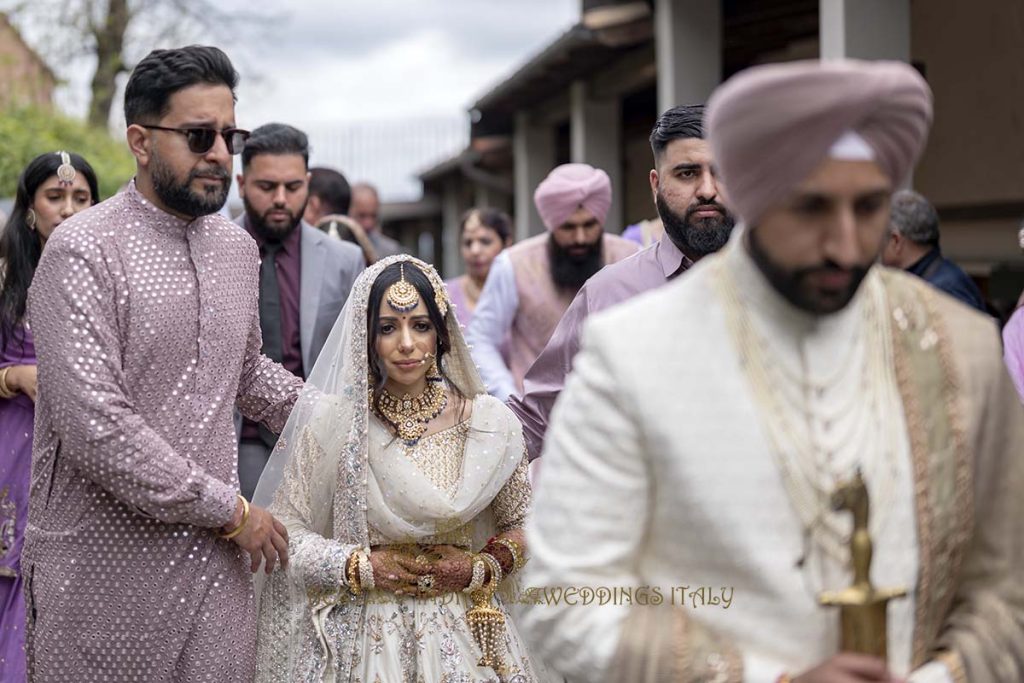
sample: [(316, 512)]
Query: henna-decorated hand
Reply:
[(395, 570), (451, 567)]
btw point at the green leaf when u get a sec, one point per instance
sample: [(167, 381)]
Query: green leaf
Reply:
[(26, 132)]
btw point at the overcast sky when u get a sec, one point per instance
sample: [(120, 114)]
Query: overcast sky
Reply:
[(324, 61), (351, 71), (393, 59)]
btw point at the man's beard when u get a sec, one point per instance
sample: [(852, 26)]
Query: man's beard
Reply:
[(265, 229), (696, 237), (570, 271), (793, 285), (180, 198)]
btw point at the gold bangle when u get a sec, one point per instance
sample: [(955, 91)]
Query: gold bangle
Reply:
[(367, 582), (496, 572), (352, 573), (476, 582), (5, 391), (241, 525), (518, 558)]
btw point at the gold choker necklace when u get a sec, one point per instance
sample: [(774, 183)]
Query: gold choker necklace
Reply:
[(411, 414)]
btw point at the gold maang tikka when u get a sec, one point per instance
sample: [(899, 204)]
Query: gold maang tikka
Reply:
[(66, 173), (402, 296)]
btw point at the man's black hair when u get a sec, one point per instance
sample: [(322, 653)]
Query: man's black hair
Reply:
[(164, 72), (685, 121), (276, 138), (332, 188)]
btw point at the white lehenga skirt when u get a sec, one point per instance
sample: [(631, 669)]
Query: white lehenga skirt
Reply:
[(427, 640)]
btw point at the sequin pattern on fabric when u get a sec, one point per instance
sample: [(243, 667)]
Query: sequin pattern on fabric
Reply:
[(146, 332)]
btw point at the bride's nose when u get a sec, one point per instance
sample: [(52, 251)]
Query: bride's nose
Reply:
[(405, 341)]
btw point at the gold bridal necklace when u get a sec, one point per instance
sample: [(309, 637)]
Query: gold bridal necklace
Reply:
[(412, 414)]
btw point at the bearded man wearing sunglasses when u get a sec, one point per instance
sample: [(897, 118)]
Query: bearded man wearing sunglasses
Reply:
[(139, 549)]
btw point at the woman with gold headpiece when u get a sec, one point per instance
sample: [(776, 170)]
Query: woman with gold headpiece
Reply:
[(52, 187), (403, 486)]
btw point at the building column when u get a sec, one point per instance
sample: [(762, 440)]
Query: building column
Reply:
[(451, 211), (865, 29), (595, 138), (533, 155), (483, 196), (688, 50)]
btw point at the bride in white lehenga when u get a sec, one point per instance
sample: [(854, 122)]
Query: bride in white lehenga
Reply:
[(403, 486)]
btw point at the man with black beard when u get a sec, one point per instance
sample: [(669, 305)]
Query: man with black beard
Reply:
[(138, 548), (688, 199), (723, 428), (531, 284), (305, 276)]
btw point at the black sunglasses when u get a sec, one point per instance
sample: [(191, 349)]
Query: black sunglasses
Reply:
[(200, 140)]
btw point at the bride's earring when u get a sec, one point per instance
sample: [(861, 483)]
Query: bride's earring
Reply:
[(30, 219), (434, 373)]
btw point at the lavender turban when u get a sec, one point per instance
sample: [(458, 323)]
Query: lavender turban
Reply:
[(569, 187), (771, 126)]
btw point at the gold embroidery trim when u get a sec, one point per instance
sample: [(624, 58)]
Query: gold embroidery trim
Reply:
[(942, 534), (955, 665)]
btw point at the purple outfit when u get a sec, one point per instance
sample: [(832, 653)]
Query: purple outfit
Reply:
[(459, 303), (15, 462), (613, 284), (634, 233), (147, 332), (1013, 349)]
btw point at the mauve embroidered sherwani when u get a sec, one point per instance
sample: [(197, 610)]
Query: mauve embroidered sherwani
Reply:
[(147, 334)]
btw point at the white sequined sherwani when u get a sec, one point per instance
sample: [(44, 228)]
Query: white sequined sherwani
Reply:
[(147, 332)]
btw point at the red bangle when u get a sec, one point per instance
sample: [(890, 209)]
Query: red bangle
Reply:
[(499, 553)]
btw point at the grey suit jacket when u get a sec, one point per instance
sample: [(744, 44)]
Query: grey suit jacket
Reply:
[(329, 269)]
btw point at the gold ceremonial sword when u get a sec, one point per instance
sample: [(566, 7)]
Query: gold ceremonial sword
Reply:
[(862, 607)]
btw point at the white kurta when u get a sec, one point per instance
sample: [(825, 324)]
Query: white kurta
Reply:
[(659, 471)]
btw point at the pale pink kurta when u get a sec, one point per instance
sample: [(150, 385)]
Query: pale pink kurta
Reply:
[(541, 302), (643, 271), (147, 330), (1013, 349)]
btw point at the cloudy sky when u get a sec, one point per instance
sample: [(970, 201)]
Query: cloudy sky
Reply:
[(382, 86), (357, 74), (360, 60)]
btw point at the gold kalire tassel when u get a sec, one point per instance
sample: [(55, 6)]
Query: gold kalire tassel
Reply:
[(487, 624)]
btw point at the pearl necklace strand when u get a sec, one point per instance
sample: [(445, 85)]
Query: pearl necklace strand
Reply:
[(807, 456)]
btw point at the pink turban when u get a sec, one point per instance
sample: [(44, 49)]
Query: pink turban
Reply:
[(771, 126), (569, 187)]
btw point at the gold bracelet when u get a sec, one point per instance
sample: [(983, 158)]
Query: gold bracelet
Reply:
[(366, 579), (5, 391), (496, 572), (518, 558), (352, 573), (241, 525), (476, 582)]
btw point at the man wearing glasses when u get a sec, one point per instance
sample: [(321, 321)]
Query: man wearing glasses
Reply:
[(139, 548)]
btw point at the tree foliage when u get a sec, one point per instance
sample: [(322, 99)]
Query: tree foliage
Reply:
[(112, 35), (28, 132)]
